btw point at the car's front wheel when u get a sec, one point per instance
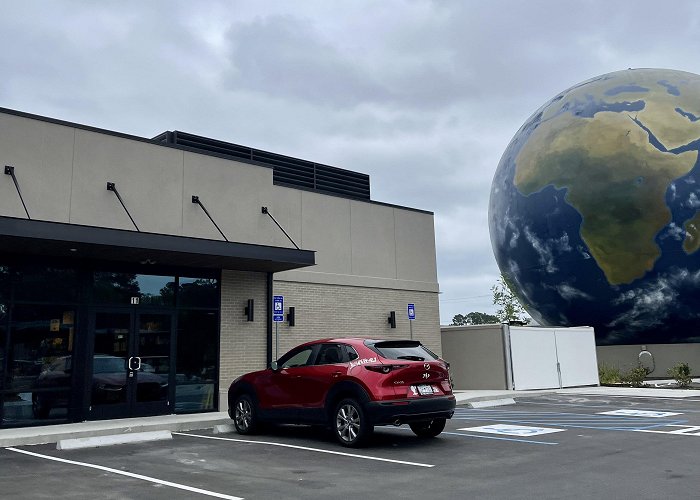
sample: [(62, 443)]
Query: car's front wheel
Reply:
[(430, 428), (244, 418), (350, 426)]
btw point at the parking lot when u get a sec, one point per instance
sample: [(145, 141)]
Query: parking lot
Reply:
[(544, 446)]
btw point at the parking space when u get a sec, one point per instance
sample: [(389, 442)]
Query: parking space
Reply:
[(548, 446)]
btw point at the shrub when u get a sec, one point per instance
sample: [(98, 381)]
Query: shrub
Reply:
[(608, 374), (635, 377), (681, 374)]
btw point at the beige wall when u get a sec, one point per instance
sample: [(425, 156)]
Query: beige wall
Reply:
[(665, 356), (321, 311), (243, 343), (476, 356), (345, 311), (63, 174)]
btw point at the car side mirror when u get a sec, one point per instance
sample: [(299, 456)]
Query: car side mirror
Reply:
[(274, 366)]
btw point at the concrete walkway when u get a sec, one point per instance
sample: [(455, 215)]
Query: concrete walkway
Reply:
[(177, 423)]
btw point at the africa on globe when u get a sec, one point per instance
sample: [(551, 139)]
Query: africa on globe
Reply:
[(594, 212)]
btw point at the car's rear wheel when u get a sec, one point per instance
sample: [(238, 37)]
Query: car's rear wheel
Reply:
[(349, 424), (429, 428), (244, 418)]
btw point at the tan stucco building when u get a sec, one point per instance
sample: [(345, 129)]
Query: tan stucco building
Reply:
[(137, 275)]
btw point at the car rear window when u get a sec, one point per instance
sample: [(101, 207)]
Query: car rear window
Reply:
[(403, 349)]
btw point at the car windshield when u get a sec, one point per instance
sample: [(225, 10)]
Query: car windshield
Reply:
[(403, 349)]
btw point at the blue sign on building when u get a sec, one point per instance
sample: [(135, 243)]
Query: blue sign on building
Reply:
[(411, 312), (278, 308)]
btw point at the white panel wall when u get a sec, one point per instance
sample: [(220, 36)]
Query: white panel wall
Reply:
[(535, 353), (576, 352), (534, 358)]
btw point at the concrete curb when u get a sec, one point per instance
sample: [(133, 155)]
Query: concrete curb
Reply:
[(98, 441), (489, 403), (55, 433)]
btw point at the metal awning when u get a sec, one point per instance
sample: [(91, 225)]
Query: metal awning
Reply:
[(42, 238)]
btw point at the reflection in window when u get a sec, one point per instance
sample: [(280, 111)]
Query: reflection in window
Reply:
[(38, 372), (3, 336), (197, 359), (156, 290), (42, 283), (114, 288), (299, 358), (4, 283), (119, 288), (198, 292)]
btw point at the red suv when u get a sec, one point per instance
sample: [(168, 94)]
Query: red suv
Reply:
[(350, 384)]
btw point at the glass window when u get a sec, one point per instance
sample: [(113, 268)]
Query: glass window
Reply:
[(197, 359), (120, 288), (39, 369), (331, 354), (114, 288), (198, 292), (3, 337), (4, 283), (404, 349), (351, 353), (295, 358), (156, 290), (42, 283)]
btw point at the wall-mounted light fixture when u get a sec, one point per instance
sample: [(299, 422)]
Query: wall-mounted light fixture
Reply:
[(291, 316), (392, 319), (249, 310)]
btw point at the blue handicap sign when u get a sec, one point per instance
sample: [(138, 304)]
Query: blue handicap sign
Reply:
[(411, 312), (278, 308)]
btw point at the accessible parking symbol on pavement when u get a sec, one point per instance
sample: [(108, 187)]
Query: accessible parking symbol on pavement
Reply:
[(640, 413), (512, 430)]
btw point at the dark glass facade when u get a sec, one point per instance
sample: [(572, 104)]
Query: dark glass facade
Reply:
[(90, 342)]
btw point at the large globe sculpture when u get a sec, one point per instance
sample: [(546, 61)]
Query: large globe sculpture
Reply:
[(595, 208)]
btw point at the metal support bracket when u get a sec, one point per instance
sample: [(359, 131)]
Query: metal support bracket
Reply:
[(11, 172), (267, 212), (195, 199), (112, 187)]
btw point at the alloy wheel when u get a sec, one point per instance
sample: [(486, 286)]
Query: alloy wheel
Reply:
[(348, 423), (243, 415)]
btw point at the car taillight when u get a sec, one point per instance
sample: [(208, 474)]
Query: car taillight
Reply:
[(384, 368)]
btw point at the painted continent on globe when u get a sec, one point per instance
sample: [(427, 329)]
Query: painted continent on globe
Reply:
[(595, 208)]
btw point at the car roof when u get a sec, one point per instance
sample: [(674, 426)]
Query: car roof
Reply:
[(352, 340)]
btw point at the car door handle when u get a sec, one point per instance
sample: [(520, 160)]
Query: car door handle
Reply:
[(337, 374)]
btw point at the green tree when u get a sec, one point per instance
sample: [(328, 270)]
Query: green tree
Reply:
[(510, 309), (474, 318)]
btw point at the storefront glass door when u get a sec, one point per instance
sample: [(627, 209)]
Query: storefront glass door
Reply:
[(130, 373)]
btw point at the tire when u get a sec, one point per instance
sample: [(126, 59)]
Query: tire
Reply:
[(429, 428), (349, 424), (244, 415)]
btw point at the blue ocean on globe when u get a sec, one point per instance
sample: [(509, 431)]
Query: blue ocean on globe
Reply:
[(594, 212)]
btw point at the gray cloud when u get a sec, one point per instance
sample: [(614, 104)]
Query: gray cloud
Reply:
[(422, 95)]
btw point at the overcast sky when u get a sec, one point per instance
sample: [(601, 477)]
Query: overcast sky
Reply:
[(423, 96)]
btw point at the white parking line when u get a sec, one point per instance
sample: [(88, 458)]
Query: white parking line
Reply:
[(318, 450), (129, 474)]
